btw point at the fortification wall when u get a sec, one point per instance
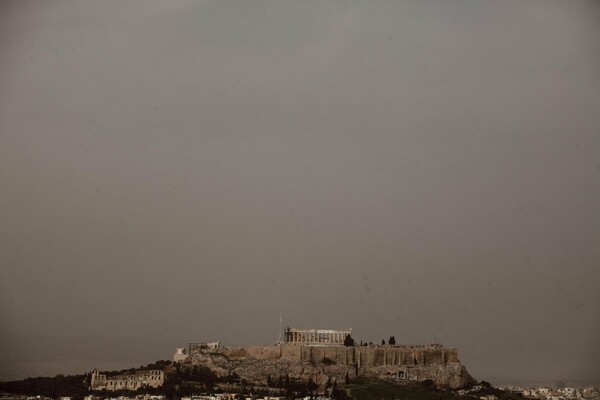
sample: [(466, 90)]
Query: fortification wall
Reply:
[(262, 352), (365, 356), (322, 362), (379, 356)]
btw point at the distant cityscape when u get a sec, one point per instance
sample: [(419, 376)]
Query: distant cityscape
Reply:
[(560, 393), (539, 393)]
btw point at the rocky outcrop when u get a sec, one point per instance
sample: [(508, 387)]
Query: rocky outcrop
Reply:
[(301, 363)]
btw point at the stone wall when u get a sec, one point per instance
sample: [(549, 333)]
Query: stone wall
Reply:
[(262, 352), (321, 362), (365, 356), (132, 381)]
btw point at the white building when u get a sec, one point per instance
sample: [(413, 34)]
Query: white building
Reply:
[(180, 354)]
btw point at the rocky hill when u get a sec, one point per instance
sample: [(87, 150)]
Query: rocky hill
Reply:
[(258, 365)]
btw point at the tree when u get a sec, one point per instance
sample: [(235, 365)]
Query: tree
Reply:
[(428, 383), (383, 342), (347, 381), (348, 341), (392, 341)]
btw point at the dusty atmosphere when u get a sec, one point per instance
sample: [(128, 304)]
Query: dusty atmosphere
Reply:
[(188, 170)]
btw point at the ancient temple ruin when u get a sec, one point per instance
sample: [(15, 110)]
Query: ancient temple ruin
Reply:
[(129, 381), (315, 336)]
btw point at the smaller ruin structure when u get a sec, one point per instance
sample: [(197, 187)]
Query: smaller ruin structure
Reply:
[(203, 346), (152, 378), (180, 354)]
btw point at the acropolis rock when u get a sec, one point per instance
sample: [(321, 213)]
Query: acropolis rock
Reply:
[(323, 361)]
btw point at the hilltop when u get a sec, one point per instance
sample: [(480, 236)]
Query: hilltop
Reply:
[(321, 364)]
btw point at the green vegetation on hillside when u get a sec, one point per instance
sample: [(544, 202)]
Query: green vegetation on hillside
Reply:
[(72, 385), (373, 389)]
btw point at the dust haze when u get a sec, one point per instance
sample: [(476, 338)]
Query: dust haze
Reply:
[(187, 170)]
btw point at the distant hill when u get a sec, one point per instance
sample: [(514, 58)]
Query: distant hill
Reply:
[(31, 355)]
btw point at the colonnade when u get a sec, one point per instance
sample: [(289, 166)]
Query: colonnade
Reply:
[(294, 335)]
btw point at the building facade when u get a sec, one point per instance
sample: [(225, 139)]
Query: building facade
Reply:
[(153, 378), (315, 336)]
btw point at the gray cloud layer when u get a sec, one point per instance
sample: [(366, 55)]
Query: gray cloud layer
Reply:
[(187, 170)]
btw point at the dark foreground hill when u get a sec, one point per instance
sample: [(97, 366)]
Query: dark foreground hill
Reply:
[(184, 380)]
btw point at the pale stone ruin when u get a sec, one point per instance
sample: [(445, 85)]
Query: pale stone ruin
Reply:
[(180, 354), (308, 336), (203, 346), (153, 378)]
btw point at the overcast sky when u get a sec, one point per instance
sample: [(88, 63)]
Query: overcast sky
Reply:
[(187, 170)]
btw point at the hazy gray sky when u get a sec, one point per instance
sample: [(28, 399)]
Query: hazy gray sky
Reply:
[(187, 170)]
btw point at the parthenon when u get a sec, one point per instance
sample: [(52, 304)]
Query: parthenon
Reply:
[(310, 336)]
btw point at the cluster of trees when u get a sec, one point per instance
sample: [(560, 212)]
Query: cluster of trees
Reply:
[(334, 392), (75, 386), (391, 341), (349, 342), (181, 381), (292, 388)]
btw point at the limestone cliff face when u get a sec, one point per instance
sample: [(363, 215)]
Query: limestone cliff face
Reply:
[(299, 362)]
